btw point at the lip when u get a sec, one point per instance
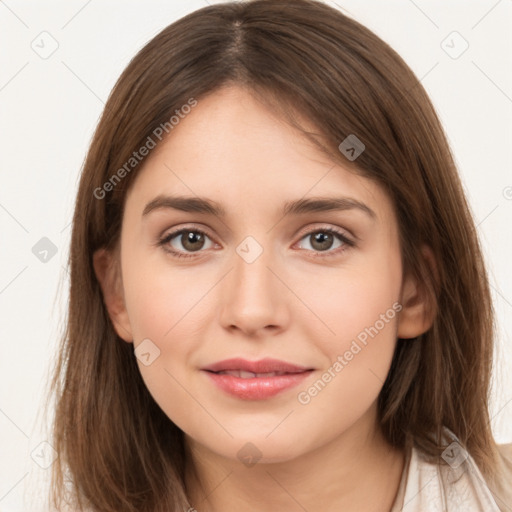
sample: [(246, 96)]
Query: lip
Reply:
[(256, 388), (266, 365)]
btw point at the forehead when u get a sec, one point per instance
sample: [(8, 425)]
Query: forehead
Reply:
[(235, 150)]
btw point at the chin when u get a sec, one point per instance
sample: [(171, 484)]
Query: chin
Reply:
[(257, 448)]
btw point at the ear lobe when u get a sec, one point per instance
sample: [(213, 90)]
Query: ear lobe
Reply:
[(418, 312), (108, 274)]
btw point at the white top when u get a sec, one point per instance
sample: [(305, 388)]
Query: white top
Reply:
[(458, 485)]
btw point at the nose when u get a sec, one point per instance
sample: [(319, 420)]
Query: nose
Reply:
[(253, 299)]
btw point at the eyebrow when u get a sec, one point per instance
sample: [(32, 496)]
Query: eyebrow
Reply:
[(195, 204)]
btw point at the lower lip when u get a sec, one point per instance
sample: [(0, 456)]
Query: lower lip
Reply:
[(257, 388)]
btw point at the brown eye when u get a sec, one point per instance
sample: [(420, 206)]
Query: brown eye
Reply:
[(186, 241), (328, 240)]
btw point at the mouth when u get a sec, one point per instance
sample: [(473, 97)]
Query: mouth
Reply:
[(245, 385), (249, 369), (243, 374)]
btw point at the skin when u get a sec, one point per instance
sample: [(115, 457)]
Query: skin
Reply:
[(288, 304)]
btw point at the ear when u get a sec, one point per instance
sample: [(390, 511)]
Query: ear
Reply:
[(107, 270), (418, 312)]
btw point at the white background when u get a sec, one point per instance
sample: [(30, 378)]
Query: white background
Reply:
[(50, 107)]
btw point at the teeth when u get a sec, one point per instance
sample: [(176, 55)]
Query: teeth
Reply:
[(249, 375)]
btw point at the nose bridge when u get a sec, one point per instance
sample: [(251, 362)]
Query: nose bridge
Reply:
[(252, 297), (251, 273)]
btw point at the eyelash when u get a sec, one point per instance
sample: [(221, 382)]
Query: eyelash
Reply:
[(347, 244)]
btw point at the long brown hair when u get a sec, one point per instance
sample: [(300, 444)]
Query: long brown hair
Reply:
[(310, 61)]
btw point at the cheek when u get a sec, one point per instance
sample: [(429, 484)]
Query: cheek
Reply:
[(169, 306), (159, 299), (164, 306), (355, 297), (359, 309)]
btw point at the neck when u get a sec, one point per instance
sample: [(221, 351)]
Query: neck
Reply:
[(358, 470)]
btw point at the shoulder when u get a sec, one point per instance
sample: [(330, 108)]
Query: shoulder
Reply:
[(456, 483), (505, 451), (502, 489)]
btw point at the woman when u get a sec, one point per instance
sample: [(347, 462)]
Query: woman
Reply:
[(278, 299)]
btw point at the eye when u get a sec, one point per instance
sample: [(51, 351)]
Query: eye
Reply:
[(323, 240), (185, 240)]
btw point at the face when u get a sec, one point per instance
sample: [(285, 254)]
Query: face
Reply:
[(320, 289)]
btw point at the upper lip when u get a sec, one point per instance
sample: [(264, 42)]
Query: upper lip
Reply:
[(266, 365)]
